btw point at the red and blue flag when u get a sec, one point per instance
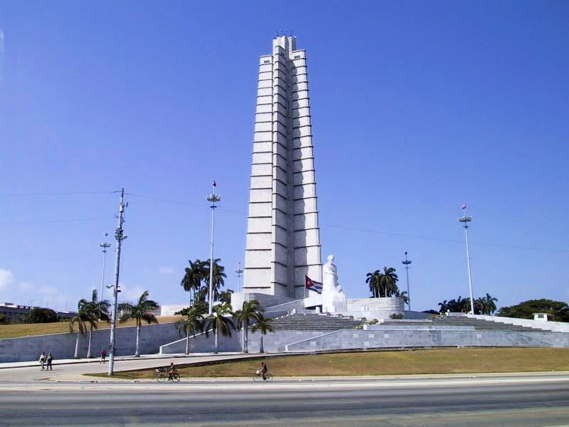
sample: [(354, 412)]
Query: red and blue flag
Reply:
[(313, 285)]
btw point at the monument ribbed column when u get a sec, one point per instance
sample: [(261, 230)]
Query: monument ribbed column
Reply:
[(283, 236)]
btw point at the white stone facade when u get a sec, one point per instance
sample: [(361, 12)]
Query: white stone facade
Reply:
[(283, 235)]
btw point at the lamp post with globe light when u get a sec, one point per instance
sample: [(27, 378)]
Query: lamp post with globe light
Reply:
[(406, 263), (105, 246), (464, 219), (213, 199)]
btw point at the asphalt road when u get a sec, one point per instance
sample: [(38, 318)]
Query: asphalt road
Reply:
[(494, 401)]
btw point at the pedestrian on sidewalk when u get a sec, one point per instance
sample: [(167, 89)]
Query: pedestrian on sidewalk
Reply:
[(49, 359), (42, 360), (103, 356)]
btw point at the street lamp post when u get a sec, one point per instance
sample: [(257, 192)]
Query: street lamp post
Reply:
[(239, 272), (406, 263), (213, 199), (465, 220), (119, 236), (105, 246)]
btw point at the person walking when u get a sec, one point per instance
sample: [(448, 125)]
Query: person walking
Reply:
[(42, 360), (49, 360), (103, 356)]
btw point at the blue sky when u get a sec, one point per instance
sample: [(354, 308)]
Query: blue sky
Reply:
[(417, 107)]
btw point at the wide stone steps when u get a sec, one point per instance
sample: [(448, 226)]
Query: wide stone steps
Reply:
[(313, 322), (478, 324)]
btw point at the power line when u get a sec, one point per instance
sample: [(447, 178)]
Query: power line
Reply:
[(442, 240), (43, 255), (55, 221), (177, 202), (56, 194)]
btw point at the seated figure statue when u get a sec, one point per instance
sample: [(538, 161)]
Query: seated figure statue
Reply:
[(333, 298)]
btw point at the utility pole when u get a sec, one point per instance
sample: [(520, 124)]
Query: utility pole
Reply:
[(119, 236), (213, 198), (465, 220), (406, 263), (105, 246)]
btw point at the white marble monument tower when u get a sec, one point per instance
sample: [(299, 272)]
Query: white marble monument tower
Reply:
[(283, 236)]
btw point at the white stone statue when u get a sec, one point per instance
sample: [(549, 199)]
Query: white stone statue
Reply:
[(333, 298)]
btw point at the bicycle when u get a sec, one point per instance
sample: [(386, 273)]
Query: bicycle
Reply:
[(163, 375), (258, 376)]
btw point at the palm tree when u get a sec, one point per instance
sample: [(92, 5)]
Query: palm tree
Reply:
[(219, 321), (225, 296), (373, 281), (192, 324), (388, 281), (99, 310), (487, 305), (193, 277), (218, 277), (251, 310), (263, 326), (139, 312), (403, 295), (83, 317)]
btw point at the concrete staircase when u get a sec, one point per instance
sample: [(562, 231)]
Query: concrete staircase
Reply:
[(478, 324), (313, 322)]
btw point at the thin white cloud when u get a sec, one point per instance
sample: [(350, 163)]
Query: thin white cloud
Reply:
[(166, 270), (46, 290), (129, 294), (6, 279)]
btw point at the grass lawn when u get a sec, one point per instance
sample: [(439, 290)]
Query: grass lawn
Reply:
[(440, 361), (33, 329)]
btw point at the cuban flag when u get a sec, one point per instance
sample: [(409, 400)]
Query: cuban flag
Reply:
[(313, 285)]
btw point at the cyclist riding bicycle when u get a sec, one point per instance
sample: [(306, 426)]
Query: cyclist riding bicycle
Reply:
[(263, 371), (171, 370)]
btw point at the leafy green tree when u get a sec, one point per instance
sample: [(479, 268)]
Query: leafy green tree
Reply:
[(263, 326), (82, 318), (201, 306), (4, 320), (250, 311), (140, 312), (193, 323), (41, 315), (219, 322), (557, 310)]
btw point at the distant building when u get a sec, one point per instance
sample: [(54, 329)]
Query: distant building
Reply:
[(16, 313)]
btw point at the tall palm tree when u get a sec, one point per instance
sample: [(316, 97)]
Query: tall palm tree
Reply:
[(263, 326), (219, 321), (140, 312), (218, 277), (192, 324), (251, 310), (82, 318), (373, 281), (98, 310), (388, 281), (193, 277)]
